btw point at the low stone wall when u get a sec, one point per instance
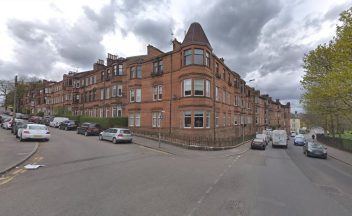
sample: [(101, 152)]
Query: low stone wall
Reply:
[(196, 142)]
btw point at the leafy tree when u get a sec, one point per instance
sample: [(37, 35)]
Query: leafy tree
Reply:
[(328, 79)]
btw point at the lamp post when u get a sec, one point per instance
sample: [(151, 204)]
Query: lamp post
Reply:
[(160, 118)]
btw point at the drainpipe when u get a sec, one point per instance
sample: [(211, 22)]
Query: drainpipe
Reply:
[(171, 97), (214, 89)]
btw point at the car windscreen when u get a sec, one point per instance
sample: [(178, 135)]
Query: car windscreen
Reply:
[(299, 139), (36, 127), (315, 146)]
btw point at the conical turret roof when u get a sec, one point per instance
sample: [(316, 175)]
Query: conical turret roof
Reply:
[(196, 35)]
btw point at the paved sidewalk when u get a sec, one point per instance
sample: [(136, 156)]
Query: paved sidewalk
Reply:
[(12, 151)]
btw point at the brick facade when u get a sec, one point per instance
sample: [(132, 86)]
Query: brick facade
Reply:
[(192, 88)]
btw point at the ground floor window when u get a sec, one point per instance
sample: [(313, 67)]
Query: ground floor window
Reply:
[(156, 119), (187, 119), (137, 120), (116, 111), (198, 119), (131, 120), (201, 119), (207, 121)]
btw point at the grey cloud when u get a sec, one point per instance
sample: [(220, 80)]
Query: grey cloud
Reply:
[(106, 18), (39, 46), (335, 11), (157, 33), (236, 25)]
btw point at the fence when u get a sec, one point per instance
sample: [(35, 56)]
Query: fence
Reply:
[(339, 143), (195, 141)]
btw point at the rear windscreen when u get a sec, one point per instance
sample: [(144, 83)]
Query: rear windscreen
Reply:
[(126, 131), (36, 127)]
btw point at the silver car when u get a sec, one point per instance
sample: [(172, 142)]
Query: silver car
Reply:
[(116, 135)]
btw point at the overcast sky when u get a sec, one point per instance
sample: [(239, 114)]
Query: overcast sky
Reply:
[(263, 40)]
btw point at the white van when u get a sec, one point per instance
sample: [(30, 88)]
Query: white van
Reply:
[(279, 138), (56, 121)]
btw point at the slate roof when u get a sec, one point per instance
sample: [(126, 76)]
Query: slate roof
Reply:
[(196, 35)]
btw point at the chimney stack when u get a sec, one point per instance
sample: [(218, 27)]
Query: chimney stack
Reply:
[(99, 64), (110, 59)]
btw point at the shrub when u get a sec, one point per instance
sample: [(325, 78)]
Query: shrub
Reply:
[(104, 122)]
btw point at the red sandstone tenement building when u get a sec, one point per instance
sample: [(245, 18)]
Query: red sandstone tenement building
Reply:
[(190, 87)]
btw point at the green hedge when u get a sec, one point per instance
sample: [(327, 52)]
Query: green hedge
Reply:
[(104, 122)]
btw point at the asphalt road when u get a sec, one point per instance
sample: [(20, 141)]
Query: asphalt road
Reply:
[(84, 176)]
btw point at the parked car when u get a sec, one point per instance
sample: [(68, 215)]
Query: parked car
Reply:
[(311, 149), (3, 117), (89, 129), (7, 124), (300, 141), (258, 143), (116, 135), (47, 119), (15, 124), (35, 119), (293, 134), (279, 138), (56, 121), (263, 137), (68, 125), (34, 131), (19, 125)]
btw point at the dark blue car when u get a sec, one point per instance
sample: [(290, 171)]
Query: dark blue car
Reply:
[(299, 141)]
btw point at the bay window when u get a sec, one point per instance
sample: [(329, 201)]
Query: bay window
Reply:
[(139, 71), (120, 71), (131, 95), (187, 119), (187, 57), (198, 119), (113, 91), (207, 59), (119, 90), (207, 120), (198, 87), (138, 95), (198, 56), (187, 87), (207, 88)]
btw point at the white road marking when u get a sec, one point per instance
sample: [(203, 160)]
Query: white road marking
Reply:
[(207, 192)]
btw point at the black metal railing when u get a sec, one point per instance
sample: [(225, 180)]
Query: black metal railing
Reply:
[(339, 143), (196, 141)]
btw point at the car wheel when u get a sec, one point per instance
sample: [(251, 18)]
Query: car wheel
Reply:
[(86, 133), (21, 139), (114, 140), (77, 132)]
